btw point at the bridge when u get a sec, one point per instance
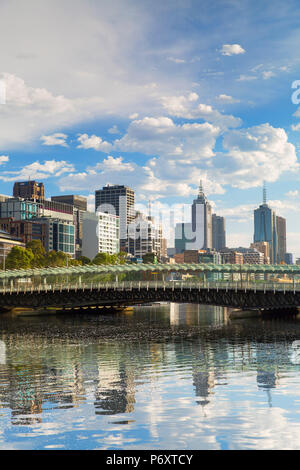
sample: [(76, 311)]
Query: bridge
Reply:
[(235, 286)]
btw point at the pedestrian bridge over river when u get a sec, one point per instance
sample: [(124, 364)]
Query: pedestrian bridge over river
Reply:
[(236, 286)]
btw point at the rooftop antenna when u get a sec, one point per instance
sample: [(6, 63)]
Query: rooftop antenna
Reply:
[(200, 188), (264, 193), (149, 208)]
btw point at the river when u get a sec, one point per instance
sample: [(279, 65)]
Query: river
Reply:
[(158, 377)]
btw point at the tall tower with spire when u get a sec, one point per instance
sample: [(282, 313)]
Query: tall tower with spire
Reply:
[(202, 221), (264, 193), (265, 227)]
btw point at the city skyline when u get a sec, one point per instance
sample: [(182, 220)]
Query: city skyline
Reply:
[(110, 197)]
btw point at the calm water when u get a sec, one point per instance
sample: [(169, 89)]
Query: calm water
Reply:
[(160, 377)]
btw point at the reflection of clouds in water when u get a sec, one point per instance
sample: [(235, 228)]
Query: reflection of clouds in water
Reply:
[(232, 420), (295, 352), (2, 353), (155, 387)]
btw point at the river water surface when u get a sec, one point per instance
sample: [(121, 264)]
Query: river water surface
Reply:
[(158, 377)]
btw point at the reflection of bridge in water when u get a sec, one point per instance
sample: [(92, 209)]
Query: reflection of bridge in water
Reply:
[(236, 286)]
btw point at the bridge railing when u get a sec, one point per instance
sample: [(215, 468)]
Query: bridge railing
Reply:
[(253, 286)]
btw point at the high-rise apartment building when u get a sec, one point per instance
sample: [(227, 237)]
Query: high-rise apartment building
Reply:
[(253, 256), (264, 248), (164, 248), (144, 236), (202, 221), (230, 256), (218, 232), (29, 190), (79, 204), (60, 235), (117, 200), (100, 234), (281, 235)]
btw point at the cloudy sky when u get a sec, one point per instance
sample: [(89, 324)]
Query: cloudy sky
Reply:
[(155, 95)]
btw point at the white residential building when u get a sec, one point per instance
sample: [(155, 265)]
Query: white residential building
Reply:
[(100, 234)]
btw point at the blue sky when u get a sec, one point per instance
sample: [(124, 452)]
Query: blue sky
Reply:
[(156, 97)]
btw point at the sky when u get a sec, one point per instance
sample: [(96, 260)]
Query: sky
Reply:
[(155, 95)]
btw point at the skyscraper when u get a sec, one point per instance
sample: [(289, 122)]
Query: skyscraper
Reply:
[(201, 221), (218, 232), (29, 190), (288, 258), (117, 200), (183, 236), (80, 202), (281, 234), (266, 227)]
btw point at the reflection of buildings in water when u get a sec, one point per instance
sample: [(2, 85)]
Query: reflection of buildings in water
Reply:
[(116, 390), (268, 358), (2, 353), (31, 379), (177, 314), (209, 361), (267, 379), (196, 314), (23, 397), (203, 381)]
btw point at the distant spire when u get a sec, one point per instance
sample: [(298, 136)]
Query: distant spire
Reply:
[(264, 193), (200, 188)]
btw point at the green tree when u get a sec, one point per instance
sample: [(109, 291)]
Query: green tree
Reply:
[(19, 258), (55, 258), (150, 258), (122, 257), (39, 253), (102, 258), (84, 260)]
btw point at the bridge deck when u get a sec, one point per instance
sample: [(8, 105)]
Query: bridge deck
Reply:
[(229, 294)]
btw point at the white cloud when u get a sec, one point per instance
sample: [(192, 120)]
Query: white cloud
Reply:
[(176, 60), (55, 139), (134, 116), (4, 159), (246, 78), (93, 142), (239, 214), (188, 108), (295, 127), (114, 164), (161, 136), (227, 99), (181, 154), (30, 112), (114, 130), (255, 154), (292, 193), (36, 170), (267, 74), (232, 49)]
